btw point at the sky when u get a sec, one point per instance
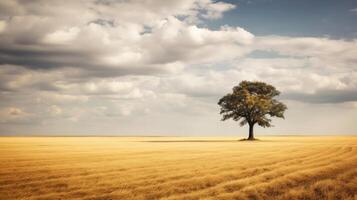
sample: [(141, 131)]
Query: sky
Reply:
[(158, 67)]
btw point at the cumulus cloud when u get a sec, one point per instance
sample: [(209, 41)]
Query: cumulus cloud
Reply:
[(62, 36), (311, 66), (107, 33)]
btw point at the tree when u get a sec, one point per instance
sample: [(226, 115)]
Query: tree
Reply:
[(252, 103)]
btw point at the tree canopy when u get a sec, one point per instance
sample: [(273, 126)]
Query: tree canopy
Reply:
[(252, 102)]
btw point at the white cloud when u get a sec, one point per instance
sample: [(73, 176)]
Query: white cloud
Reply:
[(11, 114), (215, 10), (125, 58), (43, 97), (107, 86), (62, 36), (55, 110), (109, 34), (2, 26)]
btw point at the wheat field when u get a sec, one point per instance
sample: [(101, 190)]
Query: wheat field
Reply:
[(178, 168)]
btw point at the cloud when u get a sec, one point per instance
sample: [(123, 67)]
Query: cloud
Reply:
[(215, 10), (159, 38), (55, 110), (62, 36), (354, 10), (325, 96), (310, 66), (12, 114), (2, 26)]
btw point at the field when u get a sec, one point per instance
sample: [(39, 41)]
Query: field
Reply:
[(178, 168)]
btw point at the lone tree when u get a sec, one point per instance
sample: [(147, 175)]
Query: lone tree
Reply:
[(252, 102)]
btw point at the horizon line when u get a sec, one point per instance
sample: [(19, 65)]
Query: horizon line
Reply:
[(96, 135)]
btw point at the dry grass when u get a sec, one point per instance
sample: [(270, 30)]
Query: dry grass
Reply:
[(178, 168)]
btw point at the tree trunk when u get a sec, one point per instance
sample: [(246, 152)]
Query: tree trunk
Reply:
[(251, 134)]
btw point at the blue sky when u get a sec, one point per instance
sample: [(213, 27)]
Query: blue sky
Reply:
[(329, 18)]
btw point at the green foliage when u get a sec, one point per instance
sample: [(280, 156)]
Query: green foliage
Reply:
[(252, 102)]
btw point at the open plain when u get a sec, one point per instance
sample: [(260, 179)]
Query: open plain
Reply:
[(178, 168)]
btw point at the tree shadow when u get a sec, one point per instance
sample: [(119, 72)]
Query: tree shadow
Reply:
[(204, 141), (172, 141), (249, 140)]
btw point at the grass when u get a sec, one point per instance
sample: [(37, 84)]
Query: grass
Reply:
[(178, 168)]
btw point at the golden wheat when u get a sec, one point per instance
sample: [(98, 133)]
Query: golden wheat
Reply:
[(178, 168)]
